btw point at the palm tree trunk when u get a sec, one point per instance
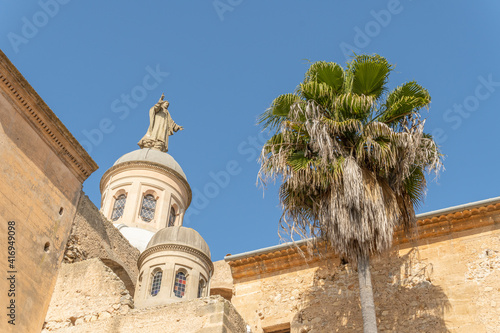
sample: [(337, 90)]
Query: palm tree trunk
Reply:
[(366, 295)]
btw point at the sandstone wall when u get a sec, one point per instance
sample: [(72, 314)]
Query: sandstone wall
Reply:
[(93, 236), (448, 284), (222, 280), (42, 168), (202, 315), (86, 291)]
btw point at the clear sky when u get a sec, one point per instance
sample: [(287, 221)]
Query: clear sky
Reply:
[(100, 66)]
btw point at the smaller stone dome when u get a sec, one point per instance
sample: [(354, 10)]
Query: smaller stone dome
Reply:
[(182, 236), (152, 155)]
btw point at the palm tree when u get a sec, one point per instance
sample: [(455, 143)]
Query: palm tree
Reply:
[(352, 158)]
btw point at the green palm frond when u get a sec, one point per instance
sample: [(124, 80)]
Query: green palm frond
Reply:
[(318, 91), (326, 72), (355, 106), (298, 161), (415, 186), (296, 202), (273, 144), (369, 75), (338, 127), (404, 100), (277, 112)]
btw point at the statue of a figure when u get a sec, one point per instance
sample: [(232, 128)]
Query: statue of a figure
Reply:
[(161, 125)]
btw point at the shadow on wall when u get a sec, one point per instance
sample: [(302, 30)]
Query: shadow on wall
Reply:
[(121, 273), (94, 236), (405, 298)]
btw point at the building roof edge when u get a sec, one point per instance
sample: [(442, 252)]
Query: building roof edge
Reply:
[(427, 215)]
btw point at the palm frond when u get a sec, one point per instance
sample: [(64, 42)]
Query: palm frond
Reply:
[(404, 100), (348, 125), (369, 75), (326, 72), (299, 161), (318, 91), (415, 185), (277, 112), (352, 106)]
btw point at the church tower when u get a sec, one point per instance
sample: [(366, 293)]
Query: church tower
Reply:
[(146, 194)]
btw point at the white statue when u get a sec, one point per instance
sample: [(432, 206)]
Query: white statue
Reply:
[(161, 126)]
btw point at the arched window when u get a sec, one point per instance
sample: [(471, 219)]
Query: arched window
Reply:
[(201, 288), (180, 284), (119, 207), (156, 283), (148, 207), (171, 219)]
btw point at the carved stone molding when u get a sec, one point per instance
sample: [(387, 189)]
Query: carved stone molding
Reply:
[(432, 226), (149, 166), (176, 247), (473, 218), (44, 121)]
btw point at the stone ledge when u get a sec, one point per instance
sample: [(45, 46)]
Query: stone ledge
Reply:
[(149, 166), (471, 218), (208, 315)]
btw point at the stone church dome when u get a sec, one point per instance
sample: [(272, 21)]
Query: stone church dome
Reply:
[(181, 236), (175, 266), (152, 155)]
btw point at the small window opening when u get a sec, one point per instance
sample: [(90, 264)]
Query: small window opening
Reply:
[(180, 284), (201, 288), (46, 247), (171, 220), (156, 283), (119, 207), (148, 208)]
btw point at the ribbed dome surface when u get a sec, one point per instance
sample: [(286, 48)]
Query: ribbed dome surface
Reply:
[(152, 155), (182, 236)]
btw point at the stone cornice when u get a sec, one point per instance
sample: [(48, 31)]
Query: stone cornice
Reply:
[(430, 227), (176, 247), (44, 121), (291, 256), (146, 165), (434, 226)]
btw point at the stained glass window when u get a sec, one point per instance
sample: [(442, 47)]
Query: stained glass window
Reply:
[(148, 208), (156, 284), (171, 220), (119, 207), (180, 284), (201, 288)]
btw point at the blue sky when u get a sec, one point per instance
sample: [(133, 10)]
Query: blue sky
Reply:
[(221, 63)]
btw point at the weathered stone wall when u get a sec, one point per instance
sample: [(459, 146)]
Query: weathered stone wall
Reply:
[(449, 284), (222, 280), (93, 236), (273, 299), (86, 291), (203, 315), (42, 168)]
